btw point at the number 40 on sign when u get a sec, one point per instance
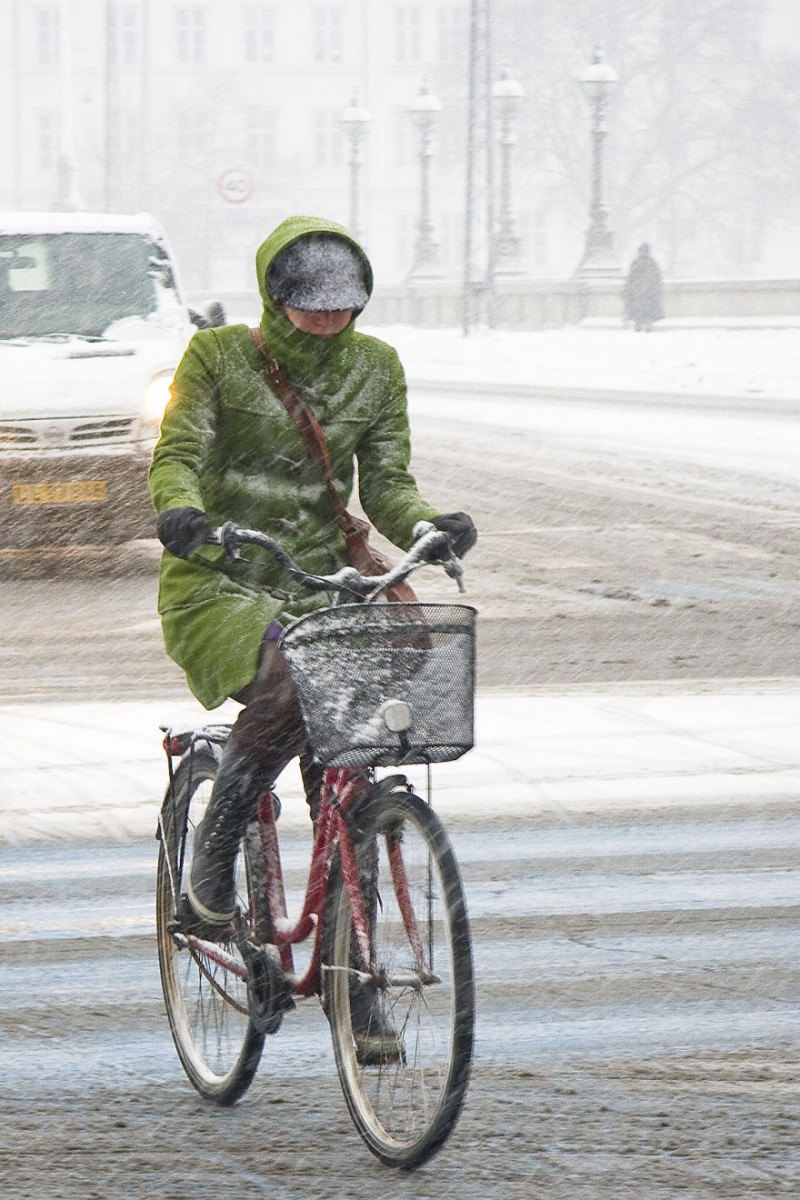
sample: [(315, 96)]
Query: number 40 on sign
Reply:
[(235, 185)]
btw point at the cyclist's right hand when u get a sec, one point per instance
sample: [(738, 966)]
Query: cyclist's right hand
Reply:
[(182, 530)]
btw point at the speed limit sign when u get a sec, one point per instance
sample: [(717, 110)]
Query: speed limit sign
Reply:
[(235, 185)]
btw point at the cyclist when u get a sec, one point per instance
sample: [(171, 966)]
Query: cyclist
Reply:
[(229, 451)]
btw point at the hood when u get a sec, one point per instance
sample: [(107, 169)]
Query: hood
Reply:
[(289, 231), (305, 358)]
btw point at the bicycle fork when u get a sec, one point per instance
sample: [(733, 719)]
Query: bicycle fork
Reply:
[(363, 921)]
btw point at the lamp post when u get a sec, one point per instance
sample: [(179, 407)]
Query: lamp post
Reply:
[(598, 81), (507, 95), (425, 112), (355, 120)]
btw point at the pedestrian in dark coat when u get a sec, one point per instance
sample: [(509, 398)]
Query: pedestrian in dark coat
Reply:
[(644, 293)]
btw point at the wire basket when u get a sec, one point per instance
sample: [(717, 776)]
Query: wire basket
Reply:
[(385, 684)]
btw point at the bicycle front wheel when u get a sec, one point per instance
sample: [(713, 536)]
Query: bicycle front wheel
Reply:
[(204, 984), (404, 1060)]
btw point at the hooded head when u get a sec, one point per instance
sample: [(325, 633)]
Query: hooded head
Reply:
[(313, 265), (320, 272)]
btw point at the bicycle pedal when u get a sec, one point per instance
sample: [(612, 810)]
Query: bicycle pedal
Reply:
[(187, 922)]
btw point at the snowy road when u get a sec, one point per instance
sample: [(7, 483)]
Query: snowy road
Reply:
[(761, 439), (632, 871), (628, 829), (638, 992)]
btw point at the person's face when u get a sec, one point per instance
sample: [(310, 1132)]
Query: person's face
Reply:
[(320, 324)]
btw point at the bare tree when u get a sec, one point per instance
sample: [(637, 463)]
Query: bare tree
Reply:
[(702, 155)]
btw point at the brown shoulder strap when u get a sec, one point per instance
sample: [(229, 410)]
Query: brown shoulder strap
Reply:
[(307, 426)]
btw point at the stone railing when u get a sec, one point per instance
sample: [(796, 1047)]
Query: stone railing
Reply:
[(541, 303)]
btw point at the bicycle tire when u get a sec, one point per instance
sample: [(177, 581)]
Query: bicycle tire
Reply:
[(207, 1005), (404, 1110)]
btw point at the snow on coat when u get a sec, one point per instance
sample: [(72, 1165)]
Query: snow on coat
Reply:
[(229, 448)]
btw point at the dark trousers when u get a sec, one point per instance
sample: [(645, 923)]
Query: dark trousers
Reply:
[(269, 731)]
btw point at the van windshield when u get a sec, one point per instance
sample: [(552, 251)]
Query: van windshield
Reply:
[(78, 284)]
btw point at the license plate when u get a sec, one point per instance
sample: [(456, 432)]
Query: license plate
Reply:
[(76, 491)]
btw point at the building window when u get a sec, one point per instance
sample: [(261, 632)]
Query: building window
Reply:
[(191, 130), (48, 136), (452, 33), (259, 33), (48, 34), (450, 138), (328, 140), (129, 34), (130, 148), (191, 34), (408, 35), (404, 243), (404, 139), (261, 138), (328, 33)]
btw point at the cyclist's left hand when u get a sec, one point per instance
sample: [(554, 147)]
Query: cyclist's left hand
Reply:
[(461, 530)]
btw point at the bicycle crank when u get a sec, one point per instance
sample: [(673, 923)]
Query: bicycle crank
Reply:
[(268, 994)]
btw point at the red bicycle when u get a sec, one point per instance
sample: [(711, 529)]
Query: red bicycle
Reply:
[(380, 685)]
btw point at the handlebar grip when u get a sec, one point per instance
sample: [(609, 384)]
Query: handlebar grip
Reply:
[(226, 537), (421, 528)]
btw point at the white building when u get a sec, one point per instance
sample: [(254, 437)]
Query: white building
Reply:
[(222, 117)]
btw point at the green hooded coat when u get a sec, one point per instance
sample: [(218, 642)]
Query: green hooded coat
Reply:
[(229, 448)]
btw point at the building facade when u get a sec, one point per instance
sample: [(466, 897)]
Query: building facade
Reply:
[(221, 117)]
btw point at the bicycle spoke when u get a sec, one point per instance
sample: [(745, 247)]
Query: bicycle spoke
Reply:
[(204, 983), (404, 1095)]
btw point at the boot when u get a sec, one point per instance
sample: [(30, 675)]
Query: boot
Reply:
[(376, 1037), (210, 888), (377, 1040)]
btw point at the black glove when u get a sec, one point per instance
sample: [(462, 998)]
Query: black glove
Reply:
[(182, 530), (461, 529)]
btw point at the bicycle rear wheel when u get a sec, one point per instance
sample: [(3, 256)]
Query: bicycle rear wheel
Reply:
[(406, 1103), (204, 984)]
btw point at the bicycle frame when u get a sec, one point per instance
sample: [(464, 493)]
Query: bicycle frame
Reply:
[(341, 788), (381, 878)]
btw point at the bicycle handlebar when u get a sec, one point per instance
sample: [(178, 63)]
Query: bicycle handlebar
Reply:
[(431, 546)]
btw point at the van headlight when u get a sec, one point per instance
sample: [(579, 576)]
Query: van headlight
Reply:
[(156, 398)]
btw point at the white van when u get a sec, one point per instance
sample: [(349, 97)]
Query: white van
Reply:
[(92, 326)]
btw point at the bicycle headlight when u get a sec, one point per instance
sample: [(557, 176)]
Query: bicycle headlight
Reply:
[(396, 715)]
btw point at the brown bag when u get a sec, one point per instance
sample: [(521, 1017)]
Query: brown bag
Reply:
[(364, 557)]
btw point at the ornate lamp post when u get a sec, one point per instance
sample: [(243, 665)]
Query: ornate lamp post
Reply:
[(507, 95), (355, 120), (598, 81), (425, 112)]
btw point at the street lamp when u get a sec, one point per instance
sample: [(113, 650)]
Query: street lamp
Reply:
[(355, 120), (507, 95), (598, 81), (425, 112)]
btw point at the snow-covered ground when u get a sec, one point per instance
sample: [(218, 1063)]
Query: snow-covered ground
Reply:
[(64, 779), (755, 360), (74, 771)]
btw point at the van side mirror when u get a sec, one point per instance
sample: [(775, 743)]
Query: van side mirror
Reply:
[(210, 315)]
